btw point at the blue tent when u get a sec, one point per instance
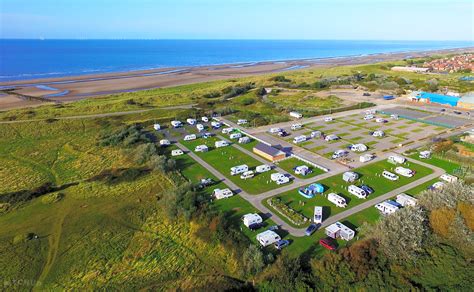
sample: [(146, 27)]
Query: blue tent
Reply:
[(311, 190)]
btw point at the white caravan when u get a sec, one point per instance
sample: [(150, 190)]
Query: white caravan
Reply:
[(318, 215), (386, 208), (235, 136), (404, 171), (358, 192), (165, 142), (406, 200), (296, 127), (268, 237), (176, 124), (191, 121), (396, 159), (448, 178), (299, 139), (157, 127), (389, 175), (263, 168), (238, 169), (247, 175), (201, 148), (222, 194), (190, 137), (251, 218), (222, 143), (337, 200), (177, 152)]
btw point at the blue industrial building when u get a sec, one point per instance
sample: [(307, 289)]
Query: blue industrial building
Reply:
[(438, 98)]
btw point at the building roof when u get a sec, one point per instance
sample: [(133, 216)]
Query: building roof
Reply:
[(268, 149), (467, 98), (439, 98)]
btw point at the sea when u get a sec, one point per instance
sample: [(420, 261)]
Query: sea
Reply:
[(31, 59)]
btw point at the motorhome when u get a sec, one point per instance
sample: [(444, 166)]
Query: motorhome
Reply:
[(247, 175), (263, 168), (190, 137), (350, 176), (404, 171), (222, 194), (244, 140), (339, 154), (331, 137), (296, 115), (389, 175), (177, 152), (235, 136), (205, 119), (222, 143), (238, 169), (251, 218), (448, 178), (299, 139), (339, 230), (366, 157), (215, 125), (275, 130), (406, 200), (227, 130), (296, 127), (378, 133), (318, 215), (165, 142), (396, 159), (200, 127), (386, 208), (425, 154), (176, 124), (337, 200), (201, 148), (316, 134), (328, 119), (358, 147), (242, 122), (157, 127), (268, 237), (191, 121), (302, 170), (358, 192)]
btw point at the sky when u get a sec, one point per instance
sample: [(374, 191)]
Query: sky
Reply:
[(238, 19)]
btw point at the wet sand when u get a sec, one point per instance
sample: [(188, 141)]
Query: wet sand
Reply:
[(74, 88)]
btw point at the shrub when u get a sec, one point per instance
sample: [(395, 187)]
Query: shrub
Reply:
[(52, 198), (19, 238), (4, 207), (247, 101), (280, 78)]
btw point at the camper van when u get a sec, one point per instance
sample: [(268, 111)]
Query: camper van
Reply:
[(448, 178), (176, 124), (358, 147), (263, 168), (268, 237), (296, 127), (389, 175), (238, 169), (299, 139), (222, 143), (366, 157), (222, 194), (318, 215), (316, 134), (339, 154), (200, 127), (404, 171), (328, 119), (242, 122), (227, 130), (177, 152), (157, 127), (275, 130), (331, 137), (165, 142), (190, 137), (235, 136), (247, 175), (191, 121), (201, 148), (205, 119), (215, 125), (244, 140), (378, 133), (386, 208), (424, 154), (395, 159), (406, 200), (350, 176), (358, 192), (337, 200), (250, 219)]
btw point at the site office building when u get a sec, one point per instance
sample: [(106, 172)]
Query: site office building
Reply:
[(269, 152)]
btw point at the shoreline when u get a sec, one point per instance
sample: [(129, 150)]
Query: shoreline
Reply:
[(72, 88)]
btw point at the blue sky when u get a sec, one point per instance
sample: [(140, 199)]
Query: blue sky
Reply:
[(239, 19)]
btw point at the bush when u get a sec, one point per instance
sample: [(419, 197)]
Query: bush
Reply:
[(234, 91), (248, 101), (20, 238), (212, 94), (280, 78), (52, 198), (4, 207)]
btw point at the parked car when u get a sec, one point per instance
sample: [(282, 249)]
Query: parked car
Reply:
[(255, 226), (283, 133), (281, 244), (311, 229), (366, 94), (367, 189), (328, 243)]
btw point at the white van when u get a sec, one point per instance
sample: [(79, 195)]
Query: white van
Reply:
[(227, 130), (296, 127), (274, 130), (337, 200), (200, 127), (316, 134), (222, 143), (318, 215), (176, 124), (177, 152), (238, 169), (191, 121), (389, 175), (358, 192), (263, 168), (395, 159), (247, 175), (404, 171), (299, 139), (157, 127), (190, 137), (201, 148), (205, 119), (448, 178), (235, 136)]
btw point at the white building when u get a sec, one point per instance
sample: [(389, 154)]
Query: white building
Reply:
[(268, 237), (251, 218), (222, 194)]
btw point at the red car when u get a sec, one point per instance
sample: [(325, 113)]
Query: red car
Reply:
[(327, 243)]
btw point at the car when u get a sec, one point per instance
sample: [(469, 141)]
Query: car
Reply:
[(255, 226), (205, 182), (311, 229), (328, 243), (366, 94), (283, 133), (457, 112), (443, 109), (280, 244), (273, 228), (367, 189)]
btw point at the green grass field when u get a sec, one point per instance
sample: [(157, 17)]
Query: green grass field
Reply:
[(290, 163)]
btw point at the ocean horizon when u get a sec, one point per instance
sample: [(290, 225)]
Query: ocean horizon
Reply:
[(24, 59)]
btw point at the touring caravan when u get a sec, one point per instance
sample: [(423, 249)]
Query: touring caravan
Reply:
[(337, 200), (406, 200), (165, 142), (331, 137), (366, 157), (328, 119), (244, 140), (358, 147), (238, 169), (299, 139), (205, 119), (339, 154), (227, 130), (215, 125), (386, 208), (425, 154), (296, 115), (350, 176), (318, 215), (191, 121), (201, 148), (176, 124), (276, 176), (296, 127), (177, 152), (358, 192), (404, 171), (448, 178), (389, 175), (268, 237), (302, 170), (235, 136), (339, 230), (247, 175), (157, 127), (242, 122), (251, 218), (263, 168), (222, 143), (282, 180), (316, 134), (275, 130), (378, 133), (395, 159), (222, 194), (200, 127), (190, 137), (368, 117)]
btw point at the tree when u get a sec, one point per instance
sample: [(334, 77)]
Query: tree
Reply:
[(252, 261)]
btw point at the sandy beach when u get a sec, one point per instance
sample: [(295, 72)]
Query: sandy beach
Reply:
[(69, 89)]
